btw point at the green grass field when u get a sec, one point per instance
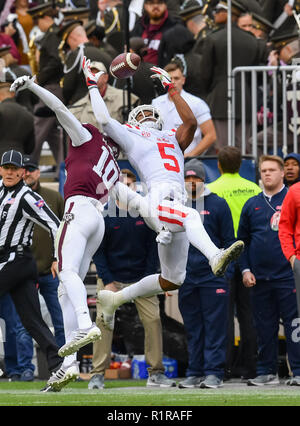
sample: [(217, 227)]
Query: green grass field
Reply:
[(132, 393)]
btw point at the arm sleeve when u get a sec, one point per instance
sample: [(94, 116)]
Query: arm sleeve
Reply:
[(113, 128), (72, 126), (287, 225)]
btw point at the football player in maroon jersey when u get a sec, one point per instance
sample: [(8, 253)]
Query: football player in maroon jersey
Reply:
[(92, 170)]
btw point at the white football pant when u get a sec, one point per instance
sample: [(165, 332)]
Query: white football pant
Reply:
[(78, 238)]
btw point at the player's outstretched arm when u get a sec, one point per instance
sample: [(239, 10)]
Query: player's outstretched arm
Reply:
[(185, 132), (72, 126), (112, 127), (99, 108)]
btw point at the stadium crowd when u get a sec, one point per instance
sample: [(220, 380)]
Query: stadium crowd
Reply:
[(188, 39)]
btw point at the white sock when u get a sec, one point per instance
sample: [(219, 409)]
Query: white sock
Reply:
[(69, 317), (70, 322), (83, 317), (148, 286), (76, 292), (198, 236)]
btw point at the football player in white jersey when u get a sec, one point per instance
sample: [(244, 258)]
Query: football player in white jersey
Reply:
[(157, 156)]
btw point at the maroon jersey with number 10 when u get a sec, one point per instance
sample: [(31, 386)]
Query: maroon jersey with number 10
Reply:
[(91, 167)]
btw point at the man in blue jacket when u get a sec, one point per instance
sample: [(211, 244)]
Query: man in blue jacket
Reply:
[(128, 253), (291, 169), (269, 274), (203, 297)]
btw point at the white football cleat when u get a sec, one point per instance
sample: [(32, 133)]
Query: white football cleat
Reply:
[(106, 300), (221, 260), (81, 338), (62, 377)]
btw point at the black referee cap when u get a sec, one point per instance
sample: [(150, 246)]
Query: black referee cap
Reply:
[(12, 157)]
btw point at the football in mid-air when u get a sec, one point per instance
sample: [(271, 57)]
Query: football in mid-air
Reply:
[(124, 65)]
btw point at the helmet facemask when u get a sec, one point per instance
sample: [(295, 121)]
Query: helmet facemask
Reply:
[(151, 120)]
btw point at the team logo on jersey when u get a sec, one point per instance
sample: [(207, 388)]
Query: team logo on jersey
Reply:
[(220, 291), (40, 203), (68, 217)]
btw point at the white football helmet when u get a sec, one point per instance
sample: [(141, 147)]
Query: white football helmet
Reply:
[(154, 120)]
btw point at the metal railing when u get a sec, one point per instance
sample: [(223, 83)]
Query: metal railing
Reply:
[(280, 90)]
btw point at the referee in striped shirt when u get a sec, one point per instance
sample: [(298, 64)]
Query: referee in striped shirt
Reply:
[(20, 209)]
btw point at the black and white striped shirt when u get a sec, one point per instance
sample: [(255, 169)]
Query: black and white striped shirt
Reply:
[(20, 209)]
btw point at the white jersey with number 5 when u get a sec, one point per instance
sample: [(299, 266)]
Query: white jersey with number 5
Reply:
[(155, 155)]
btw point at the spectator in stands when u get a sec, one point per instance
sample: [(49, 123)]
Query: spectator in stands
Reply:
[(178, 44), (285, 46), (96, 36), (268, 274), (9, 71), (7, 40), (16, 124), (253, 19), (152, 27), (178, 40), (113, 98), (197, 22), (280, 13), (236, 190), (49, 74), (75, 38), (21, 8), (203, 297), (48, 285), (119, 265), (245, 21), (291, 169), (205, 134), (262, 28), (110, 15), (213, 78), (272, 9)]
